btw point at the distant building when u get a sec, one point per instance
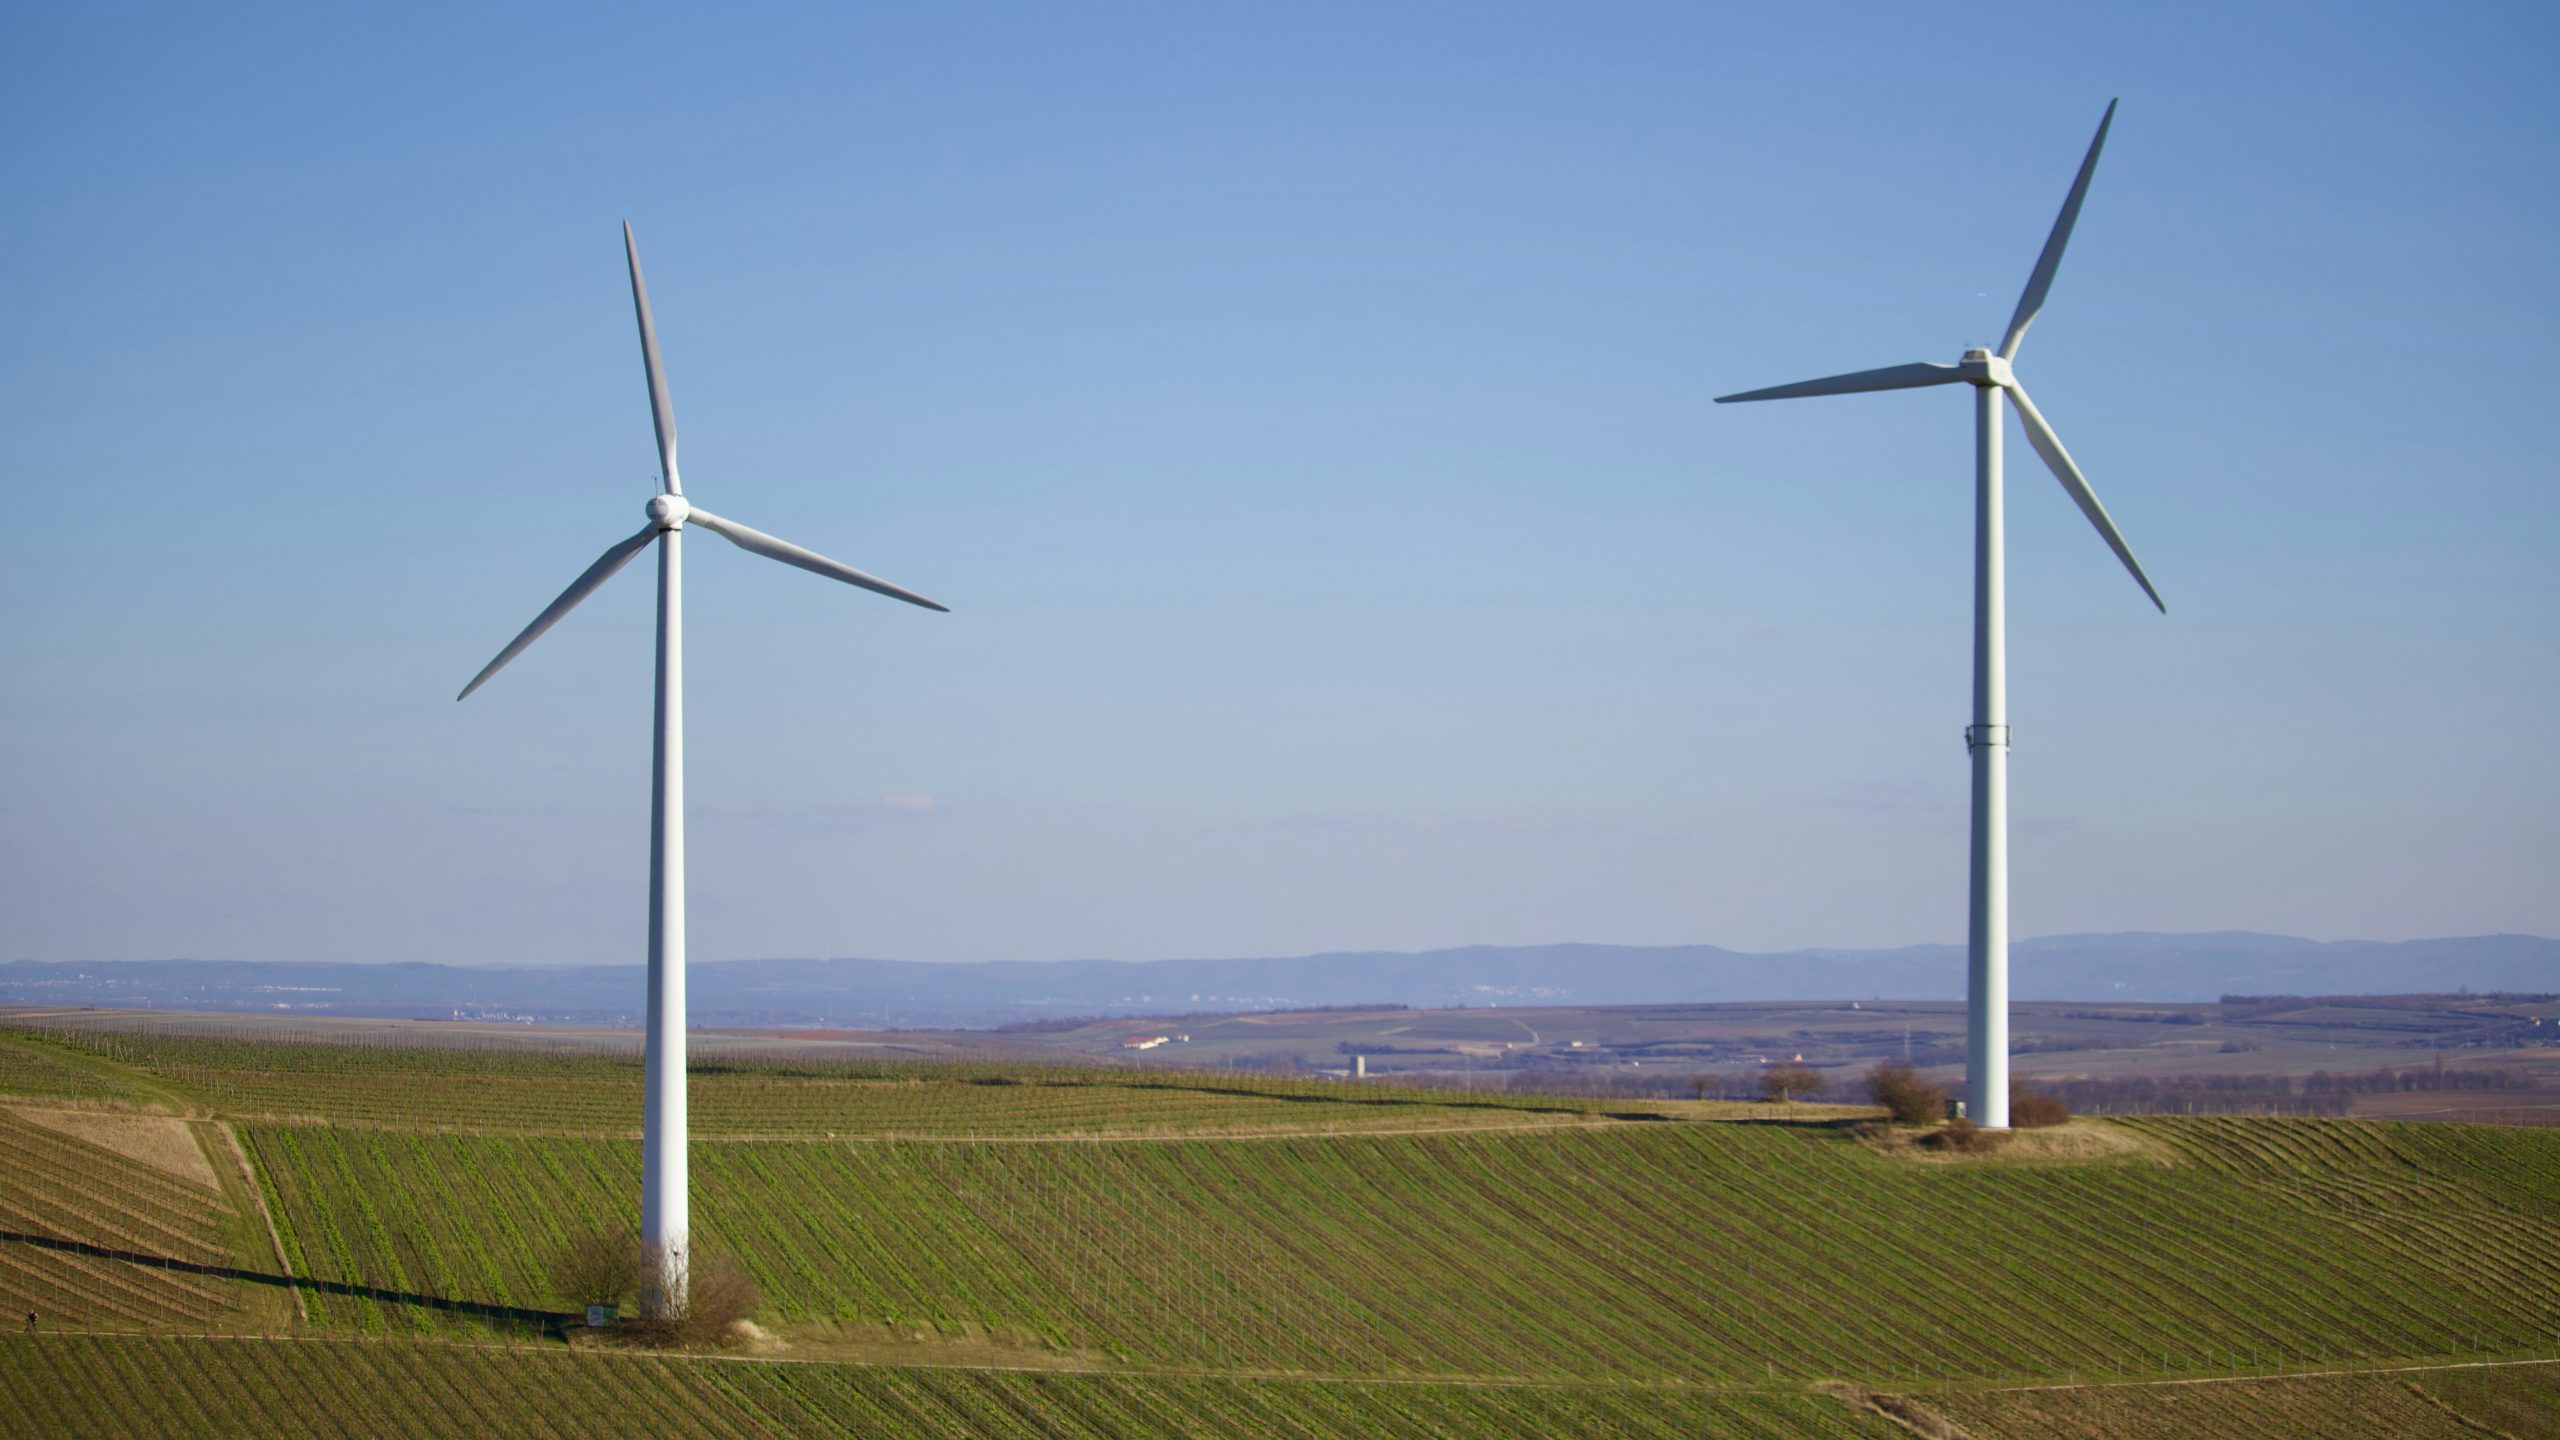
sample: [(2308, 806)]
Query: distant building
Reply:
[(1144, 1042)]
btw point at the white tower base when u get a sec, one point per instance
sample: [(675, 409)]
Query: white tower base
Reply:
[(1987, 933), (664, 1213)]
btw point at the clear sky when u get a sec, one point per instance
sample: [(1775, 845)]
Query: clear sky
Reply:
[(1305, 410)]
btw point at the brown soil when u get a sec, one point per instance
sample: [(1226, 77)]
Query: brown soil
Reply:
[(1903, 1411), (162, 1142)]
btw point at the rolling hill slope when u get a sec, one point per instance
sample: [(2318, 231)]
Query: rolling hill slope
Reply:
[(1097, 1251)]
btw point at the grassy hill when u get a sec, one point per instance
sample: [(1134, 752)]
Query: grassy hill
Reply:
[(1090, 1250)]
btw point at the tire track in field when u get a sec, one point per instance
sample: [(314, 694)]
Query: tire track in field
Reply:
[(257, 1197)]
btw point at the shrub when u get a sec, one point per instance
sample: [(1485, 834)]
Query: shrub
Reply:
[(597, 1267), (2034, 1109), (1962, 1134), (1905, 1095), (1790, 1082), (723, 1297), (719, 1296)]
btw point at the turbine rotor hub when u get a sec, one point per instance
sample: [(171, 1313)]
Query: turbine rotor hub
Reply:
[(669, 511), (1981, 367)]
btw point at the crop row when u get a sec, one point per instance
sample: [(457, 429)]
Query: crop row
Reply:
[(1698, 1251), (59, 1189), (2456, 1404), (2519, 1162), (35, 1066), (177, 1387)]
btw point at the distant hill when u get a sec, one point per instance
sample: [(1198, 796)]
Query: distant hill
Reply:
[(855, 993)]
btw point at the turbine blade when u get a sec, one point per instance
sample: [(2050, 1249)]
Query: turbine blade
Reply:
[(1891, 377), (2058, 460), (579, 589), (661, 409), (751, 539), (2051, 260)]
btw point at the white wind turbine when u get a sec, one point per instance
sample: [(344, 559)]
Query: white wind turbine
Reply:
[(663, 1207), (1987, 738)]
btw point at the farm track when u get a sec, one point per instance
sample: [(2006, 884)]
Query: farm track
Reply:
[(2517, 1399)]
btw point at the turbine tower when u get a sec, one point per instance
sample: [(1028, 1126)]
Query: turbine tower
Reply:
[(664, 1219), (1987, 738)]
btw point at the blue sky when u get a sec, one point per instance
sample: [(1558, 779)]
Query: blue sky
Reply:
[(1306, 412)]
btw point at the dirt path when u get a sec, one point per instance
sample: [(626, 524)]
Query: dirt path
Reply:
[(249, 1198), (2275, 1375)]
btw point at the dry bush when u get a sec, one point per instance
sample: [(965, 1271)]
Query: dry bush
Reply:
[(1963, 1135), (719, 1295), (1908, 1098), (724, 1295), (597, 1267), (1790, 1082), (2034, 1109)]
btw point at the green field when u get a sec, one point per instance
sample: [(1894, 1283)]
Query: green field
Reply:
[(1044, 1250), (151, 1387), (1727, 1249)]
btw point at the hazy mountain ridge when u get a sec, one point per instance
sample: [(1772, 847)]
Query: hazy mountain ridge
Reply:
[(863, 994)]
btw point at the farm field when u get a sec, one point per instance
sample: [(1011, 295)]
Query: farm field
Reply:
[(176, 1386), (60, 1185), (181, 1387), (2475, 1059), (501, 1092), (1130, 1250), (2461, 1403), (1728, 1251)]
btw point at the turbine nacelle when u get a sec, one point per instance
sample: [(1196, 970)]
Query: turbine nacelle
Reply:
[(1981, 367), (669, 512)]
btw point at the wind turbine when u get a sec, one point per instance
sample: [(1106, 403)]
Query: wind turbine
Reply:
[(664, 1218), (1987, 738)]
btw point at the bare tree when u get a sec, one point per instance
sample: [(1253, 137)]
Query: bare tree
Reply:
[(1905, 1095), (2033, 1109), (719, 1295), (1791, 1081), (612, 1267), (597, 1267)]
